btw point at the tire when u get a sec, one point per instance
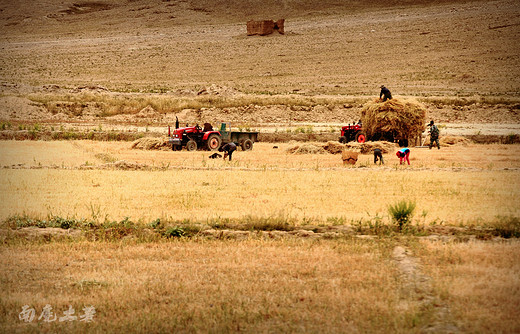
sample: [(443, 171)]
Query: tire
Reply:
[(361, 137), (247, 145), (191, 145), (343, 140), (214, 141)]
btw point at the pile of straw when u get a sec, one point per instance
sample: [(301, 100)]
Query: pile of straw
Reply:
[(404, 119), (306, 149), (151, 143), (369, 146), (333, 147), (452, 140)]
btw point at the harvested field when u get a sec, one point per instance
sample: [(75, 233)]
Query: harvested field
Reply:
[(99, 214)]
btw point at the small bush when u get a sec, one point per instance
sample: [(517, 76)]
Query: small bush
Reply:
[(174, 232), (507, 227), (402, 213)]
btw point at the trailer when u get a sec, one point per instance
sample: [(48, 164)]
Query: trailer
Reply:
[(195, 137), (244, 139)]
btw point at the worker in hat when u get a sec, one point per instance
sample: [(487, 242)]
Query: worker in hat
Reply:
[(386, 92), (434, 135)]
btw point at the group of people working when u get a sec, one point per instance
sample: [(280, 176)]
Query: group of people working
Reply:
[(403, 154)]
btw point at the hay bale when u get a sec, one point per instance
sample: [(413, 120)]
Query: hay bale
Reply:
[(403, 119), (334, 147), (147, 112), (453, 140), (349, 157), (151, 143), (306, 149)]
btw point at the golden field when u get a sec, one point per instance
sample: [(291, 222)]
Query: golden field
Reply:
[(259, 286), (457, 184), (163, 241), (252, 282)]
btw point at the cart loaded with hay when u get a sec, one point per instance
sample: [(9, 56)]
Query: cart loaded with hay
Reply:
[(396, 120)]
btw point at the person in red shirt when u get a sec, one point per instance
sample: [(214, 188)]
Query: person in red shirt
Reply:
[(403, 155)]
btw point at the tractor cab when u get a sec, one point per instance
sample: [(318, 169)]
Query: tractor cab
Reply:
[(352, 132)]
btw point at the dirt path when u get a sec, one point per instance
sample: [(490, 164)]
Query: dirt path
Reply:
[(418, 286)]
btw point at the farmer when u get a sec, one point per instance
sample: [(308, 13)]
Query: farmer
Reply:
[(378, 155), (403, 155), (434, 135), (386, 92), (228, 149)]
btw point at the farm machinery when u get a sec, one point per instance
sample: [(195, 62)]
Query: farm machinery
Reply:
[(195, 137), (352, 132)]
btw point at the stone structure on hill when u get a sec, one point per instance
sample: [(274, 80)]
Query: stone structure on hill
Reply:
[(265, 27)]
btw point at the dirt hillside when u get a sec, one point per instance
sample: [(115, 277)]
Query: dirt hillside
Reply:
[(453, 48)]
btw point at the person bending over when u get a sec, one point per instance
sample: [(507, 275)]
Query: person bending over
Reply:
[(403, 155), (378, 155), (228, 149)]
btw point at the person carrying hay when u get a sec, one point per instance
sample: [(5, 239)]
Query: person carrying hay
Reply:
[(228, 150), (386, 93), (434, 135), (403, 155)]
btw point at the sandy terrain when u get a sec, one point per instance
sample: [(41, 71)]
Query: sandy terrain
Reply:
[(460, 57)]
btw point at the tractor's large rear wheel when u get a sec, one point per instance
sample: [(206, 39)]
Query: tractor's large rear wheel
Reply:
[(191, 145), (361, 137), (213, 142)]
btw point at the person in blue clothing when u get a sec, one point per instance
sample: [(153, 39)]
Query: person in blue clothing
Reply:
[(403, 155)]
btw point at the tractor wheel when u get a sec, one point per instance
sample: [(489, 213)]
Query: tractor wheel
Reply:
[(343, 140), (247, 145), (191, 145), (213, 142), (360, 137)]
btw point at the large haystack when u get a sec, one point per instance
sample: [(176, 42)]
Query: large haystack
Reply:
[(396, 118)]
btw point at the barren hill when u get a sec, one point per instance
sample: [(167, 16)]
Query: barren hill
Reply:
[(454, 48)]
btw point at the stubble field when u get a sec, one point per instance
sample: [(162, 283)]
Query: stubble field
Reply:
[(161, 241)]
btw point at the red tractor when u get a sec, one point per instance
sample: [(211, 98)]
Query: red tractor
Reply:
[(352, 133), (195, 137)]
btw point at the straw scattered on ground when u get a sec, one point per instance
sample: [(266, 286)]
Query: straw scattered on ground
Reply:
[(151, 143)]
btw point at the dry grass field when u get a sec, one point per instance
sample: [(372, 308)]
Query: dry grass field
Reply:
[(157, 241), (457, 184)]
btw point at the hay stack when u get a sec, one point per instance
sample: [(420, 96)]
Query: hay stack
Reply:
[(334, 147), (404, 119), (349, 157), (151, 143), (306, 149), (452, 140)]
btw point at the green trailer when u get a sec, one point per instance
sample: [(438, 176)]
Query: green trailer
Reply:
[(244, 139)]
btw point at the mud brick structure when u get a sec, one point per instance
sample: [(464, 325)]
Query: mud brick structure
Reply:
[(265, 27)]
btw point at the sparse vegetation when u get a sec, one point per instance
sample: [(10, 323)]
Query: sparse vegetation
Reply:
[(165, 242), (402, 213)]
